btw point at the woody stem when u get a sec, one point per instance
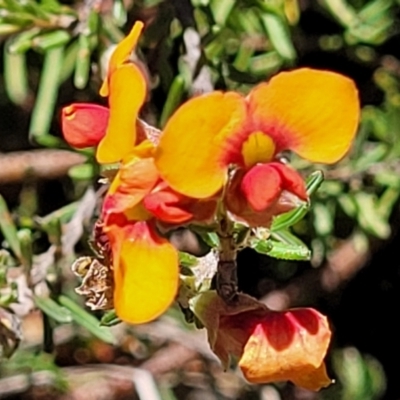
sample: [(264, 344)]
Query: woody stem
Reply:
[(226, 280)]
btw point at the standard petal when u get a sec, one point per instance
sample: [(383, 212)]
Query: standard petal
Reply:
[(313, 113), (122, 54), (84, 124), (192, 153), (288, 345), (145, 272), (127, 94)]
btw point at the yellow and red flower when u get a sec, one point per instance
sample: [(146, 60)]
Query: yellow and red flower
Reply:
[(146, 272), (270, 346), (115, 129), (146, 265), (310, 112)]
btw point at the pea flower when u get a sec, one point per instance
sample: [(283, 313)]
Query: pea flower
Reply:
[(224, 138), (145, 265), (270, 346), (115, 129)]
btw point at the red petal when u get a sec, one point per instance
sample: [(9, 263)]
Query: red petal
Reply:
[(172, 207), (263, 192), (261, 186), (165, 206), (84, 124), (291, 180)]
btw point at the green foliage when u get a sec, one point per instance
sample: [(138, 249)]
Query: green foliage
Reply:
[(361, 377), (188, 49)]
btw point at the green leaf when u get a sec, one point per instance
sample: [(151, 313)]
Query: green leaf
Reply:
[(348, 205), (8, 228), (110, 319), (243, 56), (25, 241), (279, 36), (323, 219), (265, 64), (55, 39), (82, 172), (370, 156), (22, 42), (290, 218), (314, 181), (282, 251), (342, 11), (261, 245), (68, 65), (286, 237), (187, 260), (210, 238), (368, 217), (88, 321), (46, 98), (221, 10), (82, 65), (119, 12), (53, 309), (387, 201), (63, 214), (15, 77), (174, 98)]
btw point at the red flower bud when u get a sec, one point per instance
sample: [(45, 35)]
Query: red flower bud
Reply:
[(84, 124)]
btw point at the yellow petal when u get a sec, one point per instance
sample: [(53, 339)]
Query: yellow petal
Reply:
[(127, 94), (145, 272), (191, 155), (313, 113), (132, 183), (315, 379), (121, 54)]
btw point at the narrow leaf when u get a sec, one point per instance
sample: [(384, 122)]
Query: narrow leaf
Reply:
[(46, 98), (110, 319), (279, 36), (53, 309), (283, 251), (15, 77), (8, 228), (174, 98), (88, 321), (290, 218)]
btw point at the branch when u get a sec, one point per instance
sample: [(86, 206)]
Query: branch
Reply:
[(41, 164)]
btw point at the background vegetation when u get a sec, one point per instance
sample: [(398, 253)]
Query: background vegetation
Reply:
[(53, 54)]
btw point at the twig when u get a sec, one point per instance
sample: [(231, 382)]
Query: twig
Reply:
[(42, 164)]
